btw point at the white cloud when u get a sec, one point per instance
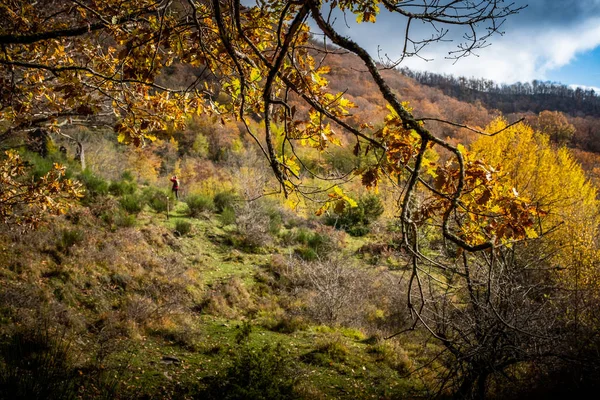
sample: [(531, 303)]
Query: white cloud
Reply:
[(594, 88), (520, 55), (542, 38)]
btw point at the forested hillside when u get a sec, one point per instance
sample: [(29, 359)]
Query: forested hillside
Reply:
[(534, 97), (570, 116), (194, 205)]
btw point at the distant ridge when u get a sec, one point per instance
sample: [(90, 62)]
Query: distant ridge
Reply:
[(519, 97)]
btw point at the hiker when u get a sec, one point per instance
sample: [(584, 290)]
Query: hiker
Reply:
[(175, 187)]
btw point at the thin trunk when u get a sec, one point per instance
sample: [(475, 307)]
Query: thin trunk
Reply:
[(80, 155)]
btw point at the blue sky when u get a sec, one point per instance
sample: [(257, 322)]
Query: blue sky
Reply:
[(583, 69), (555, 40)]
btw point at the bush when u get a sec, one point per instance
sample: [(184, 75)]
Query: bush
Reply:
[(197, 204), (94, 185), (289, 324), (265, 373), (358, 230), (227, 216), (40, 165), (69, 238), (302, 235), (183, 227), (275, 218), (253, 226), (39, 362), (341, 159), (157, 199), (35, 366), (306, 253), (315, 244), (334, 348), (122, 187), (127, 176), (124, 220), (224, 200), (132, 204), (326, 291), (356, 220), (392, 354)]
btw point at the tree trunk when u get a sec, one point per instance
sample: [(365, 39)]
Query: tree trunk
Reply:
[(80, 155)]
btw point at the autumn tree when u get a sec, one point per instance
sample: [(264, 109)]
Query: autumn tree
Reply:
[(532, 301), (555, 125), (555, 182), (516, 304)]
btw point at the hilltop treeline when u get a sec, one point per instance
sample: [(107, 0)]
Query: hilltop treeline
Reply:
[(536, 96)]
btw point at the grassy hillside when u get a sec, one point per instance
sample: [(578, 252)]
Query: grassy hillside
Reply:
[(129, 307)]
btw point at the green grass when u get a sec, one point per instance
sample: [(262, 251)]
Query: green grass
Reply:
[(348, 378), (107, 279)]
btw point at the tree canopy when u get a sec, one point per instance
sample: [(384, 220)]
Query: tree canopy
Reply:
[(102, 63)]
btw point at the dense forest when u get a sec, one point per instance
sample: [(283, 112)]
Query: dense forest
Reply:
[(206, 200), (535, 97)]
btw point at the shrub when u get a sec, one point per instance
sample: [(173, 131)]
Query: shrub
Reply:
[(275, 218), (35, 366), (127, 176), (38, 362), (69, 238), (392, 354), (124, 220), (103, 205), (328, 350), (372, 206), (326, 290), (177, 328), (356, 220), (307, 254), (303, 236), (333, 347), (266, 373), (197, 204), (94, 185), (228, 299), (227, 216), (319, 242), (253, 225), (223, 200), (40, 165), (358, 230), (316, 244), (122, 187), (183, 227), (289, 324), (341, 159), (131, 203), (157, 199)]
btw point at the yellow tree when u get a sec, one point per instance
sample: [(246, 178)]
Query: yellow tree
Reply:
[(517, 301), (556, 183)]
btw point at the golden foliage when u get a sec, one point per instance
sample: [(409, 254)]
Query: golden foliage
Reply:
[(556, 183), (24, 202), (104, 60)]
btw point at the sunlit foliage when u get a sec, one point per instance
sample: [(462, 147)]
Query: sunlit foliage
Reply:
[(24, 201)]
